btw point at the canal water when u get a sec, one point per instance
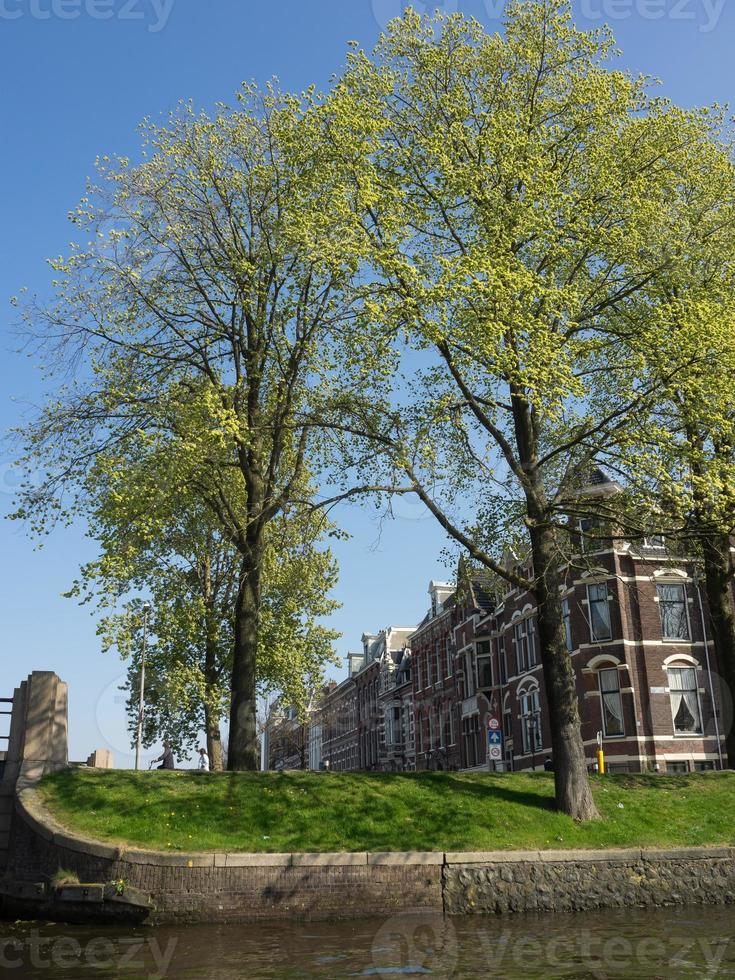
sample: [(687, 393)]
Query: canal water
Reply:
[(677, 943)]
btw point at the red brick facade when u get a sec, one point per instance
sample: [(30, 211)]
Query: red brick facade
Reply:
[(635, 633), (645, 677)]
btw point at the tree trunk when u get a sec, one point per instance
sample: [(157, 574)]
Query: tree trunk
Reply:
[(214, 739), (572, 786), (243, 746), (718, 579), (211, 670)]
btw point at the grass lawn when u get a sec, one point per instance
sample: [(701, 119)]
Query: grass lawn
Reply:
[(304, 811)]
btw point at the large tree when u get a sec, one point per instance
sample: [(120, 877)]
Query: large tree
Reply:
[(679, 465), (507, 189), (202, 310), (168, 547)]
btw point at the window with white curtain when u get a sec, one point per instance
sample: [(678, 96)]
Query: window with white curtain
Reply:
[(599, 612), (684, 700), (672, 608), (612, 702)]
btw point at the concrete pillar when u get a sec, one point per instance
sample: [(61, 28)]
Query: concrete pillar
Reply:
[(37, 743), (100, 759)]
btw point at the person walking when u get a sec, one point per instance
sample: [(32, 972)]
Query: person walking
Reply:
[(167, 759), (203, 761)]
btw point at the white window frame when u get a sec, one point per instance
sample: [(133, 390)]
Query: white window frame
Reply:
[(530, 704), (566, 610), (609, 670), (654, 541), (485, 655), (679, 585), (520, 636), (502, 661), (388, 724), (606, 601), (532, 643), (700, 719), (470, 679)]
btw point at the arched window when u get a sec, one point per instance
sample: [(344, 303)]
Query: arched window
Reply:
[(507, 717), (530, 719)]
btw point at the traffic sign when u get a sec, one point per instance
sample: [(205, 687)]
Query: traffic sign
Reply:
[(494, 740)]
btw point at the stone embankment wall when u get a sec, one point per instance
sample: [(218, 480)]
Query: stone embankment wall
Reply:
[(575, 881), (234, 886)]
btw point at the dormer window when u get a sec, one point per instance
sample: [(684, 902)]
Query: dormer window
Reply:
[(584, 526), (654, 541)]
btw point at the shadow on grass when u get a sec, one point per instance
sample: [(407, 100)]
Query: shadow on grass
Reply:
[(375, 811)]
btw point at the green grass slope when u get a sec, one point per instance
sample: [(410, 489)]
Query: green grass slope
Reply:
[(303, 811)]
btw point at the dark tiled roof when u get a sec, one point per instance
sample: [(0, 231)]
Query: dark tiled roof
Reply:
[(484, 599), (597, 477)]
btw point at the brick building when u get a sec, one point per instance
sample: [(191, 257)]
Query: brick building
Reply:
[(337, 719), (397, 744), (286, 738), (366, 722), (636, 630)]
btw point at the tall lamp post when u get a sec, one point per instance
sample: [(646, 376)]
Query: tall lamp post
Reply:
[(532, 727), (141, 704)]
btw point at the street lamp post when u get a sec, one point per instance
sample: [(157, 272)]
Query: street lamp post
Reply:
[(141, 704), (532, 726)]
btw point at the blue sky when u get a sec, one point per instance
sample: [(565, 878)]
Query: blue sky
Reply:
[(77, 76)]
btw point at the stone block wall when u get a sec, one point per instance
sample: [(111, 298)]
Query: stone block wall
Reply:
[(576, 881)]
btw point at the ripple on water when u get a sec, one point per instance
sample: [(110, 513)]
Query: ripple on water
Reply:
[(675, 944)]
